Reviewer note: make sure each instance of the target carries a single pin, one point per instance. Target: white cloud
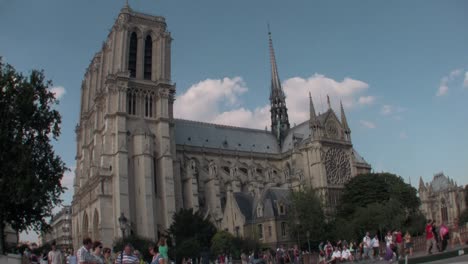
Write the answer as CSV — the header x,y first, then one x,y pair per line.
x,y
67,179
444,81
443,89
392,109
367,124
58,91
465,82
219,101
366,100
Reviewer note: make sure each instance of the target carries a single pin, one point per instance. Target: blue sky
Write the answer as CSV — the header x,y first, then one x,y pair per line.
x,y
398,66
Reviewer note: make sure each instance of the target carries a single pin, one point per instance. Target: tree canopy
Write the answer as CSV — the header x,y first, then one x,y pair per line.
x,y
192,232
306,215
30,171
377,202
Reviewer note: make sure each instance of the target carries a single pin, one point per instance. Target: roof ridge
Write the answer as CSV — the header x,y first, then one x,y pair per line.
x,y
222,125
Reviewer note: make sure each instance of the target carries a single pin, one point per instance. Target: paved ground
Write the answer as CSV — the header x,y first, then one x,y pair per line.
x,y
457,260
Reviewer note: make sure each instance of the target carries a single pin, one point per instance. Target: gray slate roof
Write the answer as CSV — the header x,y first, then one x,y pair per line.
x,y
199,134
245,203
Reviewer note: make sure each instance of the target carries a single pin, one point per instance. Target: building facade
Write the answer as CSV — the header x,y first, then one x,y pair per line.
x,y
134,158
60,231
442,199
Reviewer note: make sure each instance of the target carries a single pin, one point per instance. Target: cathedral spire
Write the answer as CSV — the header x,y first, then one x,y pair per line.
x,y
279,112
313,116
328,102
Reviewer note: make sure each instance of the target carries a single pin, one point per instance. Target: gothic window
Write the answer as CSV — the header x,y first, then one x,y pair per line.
x,y
131,103
148,105
282,209
132,55
270,232
283,229
260,231
148,58
337,166
443,210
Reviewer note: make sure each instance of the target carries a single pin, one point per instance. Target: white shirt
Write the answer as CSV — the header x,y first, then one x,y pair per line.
x,y
389,240
55,257
336,255
375,242
345,253
367,242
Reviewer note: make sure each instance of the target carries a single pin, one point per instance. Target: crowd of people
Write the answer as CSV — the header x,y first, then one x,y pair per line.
x,y
94,252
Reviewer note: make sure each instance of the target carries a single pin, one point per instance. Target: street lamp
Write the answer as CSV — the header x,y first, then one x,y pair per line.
x,y
123,224
308,239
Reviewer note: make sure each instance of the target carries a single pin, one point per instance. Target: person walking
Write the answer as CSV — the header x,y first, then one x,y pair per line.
x,y
157,259
444,236
409,243
163,249
435,231
107,256
388,246
55,256
376,246
84,253
399,243
97,252
367,246
430,241
456,233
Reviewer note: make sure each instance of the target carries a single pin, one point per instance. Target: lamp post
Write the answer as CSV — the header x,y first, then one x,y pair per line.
x,y
308,239
123,224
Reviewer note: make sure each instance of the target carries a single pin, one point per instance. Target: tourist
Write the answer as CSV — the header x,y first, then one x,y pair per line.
x,y
336,256
71,259
163,249
399,243
296,254
107,256
137,254
456,233
408,243
389,246
97,252
435,233
430,241
157,259
367,247
376,246
126,257
84,255
444,236
55,256
328,250
346,254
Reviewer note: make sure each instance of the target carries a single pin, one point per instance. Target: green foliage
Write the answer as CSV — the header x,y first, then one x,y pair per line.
x,y
140,243
306,215
192,232
377,202
30,171
225,242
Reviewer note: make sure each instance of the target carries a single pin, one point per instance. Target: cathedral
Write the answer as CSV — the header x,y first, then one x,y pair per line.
x,y
134,160
442,199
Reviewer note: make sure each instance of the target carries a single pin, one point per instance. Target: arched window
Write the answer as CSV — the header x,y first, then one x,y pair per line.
x,y
132,55
148,58
443,210
148,105
131,103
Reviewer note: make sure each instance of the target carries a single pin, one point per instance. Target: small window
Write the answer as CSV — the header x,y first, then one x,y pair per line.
x,y
260,210
283,229
282,209
260,231
270,232
148,58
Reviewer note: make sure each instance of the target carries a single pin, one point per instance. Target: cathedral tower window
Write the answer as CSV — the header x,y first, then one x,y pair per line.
x,y
131,103
148,105
132,55
148,58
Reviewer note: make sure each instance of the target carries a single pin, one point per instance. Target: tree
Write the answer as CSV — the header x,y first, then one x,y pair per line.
x,y
370,188
306,215
223,242
30,171
191,232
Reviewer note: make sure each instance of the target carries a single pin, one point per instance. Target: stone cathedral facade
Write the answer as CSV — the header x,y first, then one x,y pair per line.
x,y
134,158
